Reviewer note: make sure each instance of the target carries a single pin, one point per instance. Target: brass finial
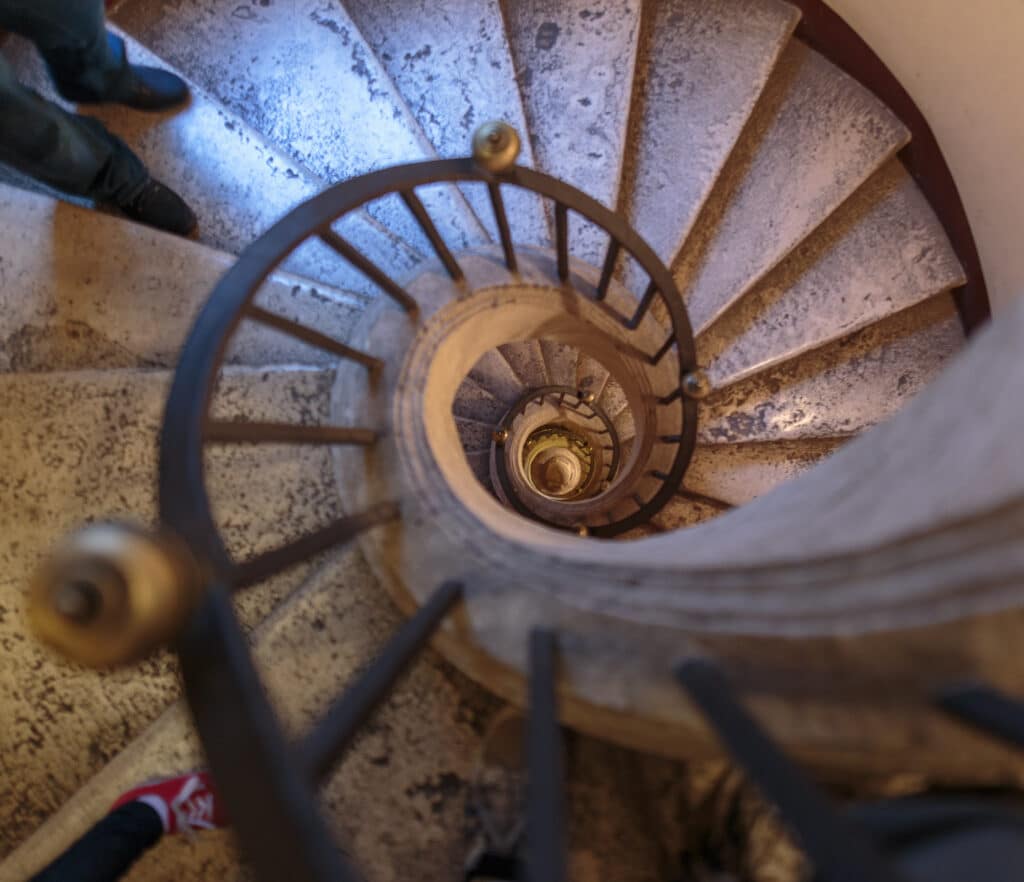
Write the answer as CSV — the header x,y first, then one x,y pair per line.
x,y
586,397
582,530
500,436
112,593
495,146
696,385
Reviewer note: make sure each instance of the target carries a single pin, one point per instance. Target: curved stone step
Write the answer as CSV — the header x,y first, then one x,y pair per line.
x,y
237,184
739,473
575,62
475,402
527,361
882,251
560,362
89,290
302,75
474,435
701,68
80,446
450,61
815,136
591,375
842,388
495,374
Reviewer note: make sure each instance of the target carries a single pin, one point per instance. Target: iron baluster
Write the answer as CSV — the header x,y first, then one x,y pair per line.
x,y
369,269
501,219
608,270
645,304
311,336
419,211
562,240
245,432
985,708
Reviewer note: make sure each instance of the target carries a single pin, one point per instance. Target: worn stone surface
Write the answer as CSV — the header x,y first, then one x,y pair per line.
x,y
450,62
237,184
82,290
495,374
882,251
591,375
575,62
815,136
301,74
843,388
474,401
473,435
701,69
527,360
560,360
739,473
82,446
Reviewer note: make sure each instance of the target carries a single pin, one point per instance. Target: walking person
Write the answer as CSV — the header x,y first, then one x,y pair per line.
x,y
74,153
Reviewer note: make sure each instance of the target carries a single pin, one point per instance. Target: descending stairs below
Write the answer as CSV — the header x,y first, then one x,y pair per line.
x,y
816,276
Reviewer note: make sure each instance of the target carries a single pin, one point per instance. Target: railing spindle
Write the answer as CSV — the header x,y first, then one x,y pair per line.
x,y
986,709
562,240
312,337
501,219
343,530
642,309
663,351
328,741
608,270
840,852
369,269
419,211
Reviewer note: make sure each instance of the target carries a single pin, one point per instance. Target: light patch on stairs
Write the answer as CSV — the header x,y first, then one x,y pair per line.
x,y
882,251
815,136
575,63
843,388
301,74
702,67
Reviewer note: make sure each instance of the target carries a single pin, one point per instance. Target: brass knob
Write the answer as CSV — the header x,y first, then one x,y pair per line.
x,y
495,146
112,593
500,436
696,385
586,397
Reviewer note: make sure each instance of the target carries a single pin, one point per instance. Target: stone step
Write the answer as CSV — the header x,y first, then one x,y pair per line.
x,y
701,68
882,251
575,62
843,388
87,290
738,473
527,361
560,362
238,185
495,374
815,136
304,77
80,446
475,402
450,62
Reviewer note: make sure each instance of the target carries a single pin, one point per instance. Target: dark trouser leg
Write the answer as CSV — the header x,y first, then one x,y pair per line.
x,y
106,852
72,153
84,60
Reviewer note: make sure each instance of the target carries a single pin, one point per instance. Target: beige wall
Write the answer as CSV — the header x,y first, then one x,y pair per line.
x,y
963,62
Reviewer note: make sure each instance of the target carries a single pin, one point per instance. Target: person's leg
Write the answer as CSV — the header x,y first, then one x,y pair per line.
x,y
106,852
86,62
78,155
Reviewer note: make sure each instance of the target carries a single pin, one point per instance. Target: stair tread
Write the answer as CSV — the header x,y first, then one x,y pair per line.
x,y
739,473
136,292
450,62
575,62
680,513
591,375
81,445
842,388
560,361
882,251
314,88
702,70
473,401
527,360
237,184
495,374
815,136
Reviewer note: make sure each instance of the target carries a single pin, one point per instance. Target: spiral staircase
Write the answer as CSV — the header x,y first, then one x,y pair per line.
x,y
545,386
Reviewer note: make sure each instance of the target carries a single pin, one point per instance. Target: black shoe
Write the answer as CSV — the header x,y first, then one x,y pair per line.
x,y
148,88
160,207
